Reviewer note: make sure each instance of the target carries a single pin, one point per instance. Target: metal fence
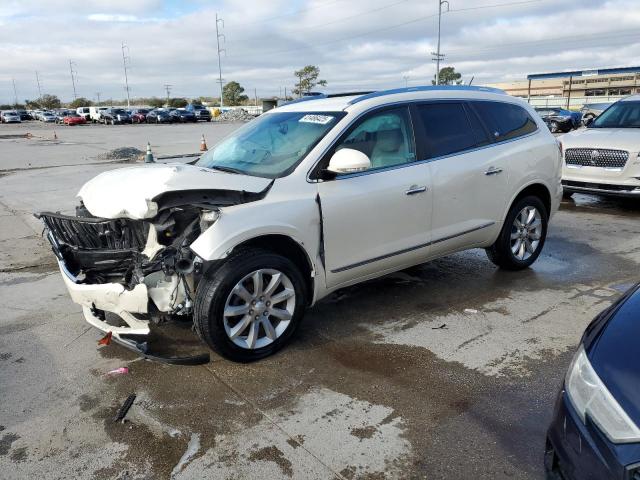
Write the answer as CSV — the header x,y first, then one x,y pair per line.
x,y
574,103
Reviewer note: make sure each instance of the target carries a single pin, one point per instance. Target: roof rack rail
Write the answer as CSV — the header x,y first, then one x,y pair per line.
x,y
427,88
318,96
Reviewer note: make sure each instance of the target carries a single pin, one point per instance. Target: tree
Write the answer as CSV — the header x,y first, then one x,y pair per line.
x,y
196,101
232,94
155,102
80,102
32,104
448,76
307,80
178,102
49,101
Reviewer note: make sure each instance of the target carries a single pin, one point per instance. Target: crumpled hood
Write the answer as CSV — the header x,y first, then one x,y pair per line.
x,y
129,192
614,138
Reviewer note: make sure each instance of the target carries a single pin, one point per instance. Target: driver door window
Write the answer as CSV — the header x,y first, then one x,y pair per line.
x,y
385,137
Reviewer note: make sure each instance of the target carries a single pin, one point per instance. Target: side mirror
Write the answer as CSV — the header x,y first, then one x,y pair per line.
x,y
348,160
587,121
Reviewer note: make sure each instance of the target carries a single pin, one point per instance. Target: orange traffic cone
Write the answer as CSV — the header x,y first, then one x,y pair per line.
x,y
203,144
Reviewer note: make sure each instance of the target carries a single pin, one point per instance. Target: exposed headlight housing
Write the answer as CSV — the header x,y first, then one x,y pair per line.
x,y
208,218
589,396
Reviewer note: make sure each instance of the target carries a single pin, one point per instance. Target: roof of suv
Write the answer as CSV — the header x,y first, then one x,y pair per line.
x,y
325,103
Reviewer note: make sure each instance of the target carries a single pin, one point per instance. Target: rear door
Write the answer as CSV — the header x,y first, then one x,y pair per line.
x,y
470,181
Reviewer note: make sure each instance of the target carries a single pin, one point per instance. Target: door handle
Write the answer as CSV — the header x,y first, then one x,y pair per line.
x,y
493,171
413,189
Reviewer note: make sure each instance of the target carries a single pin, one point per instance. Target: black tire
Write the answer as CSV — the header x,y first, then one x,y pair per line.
x,y
500,252
215,287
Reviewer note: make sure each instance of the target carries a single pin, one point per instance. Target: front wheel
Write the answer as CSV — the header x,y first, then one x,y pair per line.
x,y
522,236
249,307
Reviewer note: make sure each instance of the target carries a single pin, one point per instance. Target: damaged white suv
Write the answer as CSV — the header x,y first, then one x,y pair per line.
x,y
308,198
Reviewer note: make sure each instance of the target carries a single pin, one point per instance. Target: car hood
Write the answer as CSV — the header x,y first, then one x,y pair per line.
x,y
614,138
614,355
132,192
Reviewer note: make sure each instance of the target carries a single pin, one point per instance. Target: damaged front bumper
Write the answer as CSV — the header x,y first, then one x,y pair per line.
x,y
119,267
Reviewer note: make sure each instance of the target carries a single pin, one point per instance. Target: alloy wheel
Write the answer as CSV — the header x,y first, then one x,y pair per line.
x,y
526,233
259,308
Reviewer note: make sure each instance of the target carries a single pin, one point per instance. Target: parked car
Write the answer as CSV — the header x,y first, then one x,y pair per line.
x,y
139,115
10,116
95,113
559,119
74,119
182,116
306,199
595,433
602,158
24,115
47,117
592,110
115,116
159,116
84,112
60,114
201,112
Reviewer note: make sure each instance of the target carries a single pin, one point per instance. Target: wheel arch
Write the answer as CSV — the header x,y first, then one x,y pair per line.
x,y
537,190
287,247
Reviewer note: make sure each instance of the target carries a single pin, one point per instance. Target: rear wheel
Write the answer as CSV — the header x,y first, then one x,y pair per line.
x,y
522,236
249,307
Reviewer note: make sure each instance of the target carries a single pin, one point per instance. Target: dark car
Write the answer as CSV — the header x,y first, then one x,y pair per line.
x,y
24,115
159,116
115,116
200,111
594,434
559,119
139,115
183,116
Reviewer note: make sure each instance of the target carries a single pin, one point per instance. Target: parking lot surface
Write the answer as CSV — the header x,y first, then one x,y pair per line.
x,y
446,370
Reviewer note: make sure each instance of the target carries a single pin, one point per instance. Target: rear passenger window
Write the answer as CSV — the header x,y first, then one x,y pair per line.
x,y
505,120
447,129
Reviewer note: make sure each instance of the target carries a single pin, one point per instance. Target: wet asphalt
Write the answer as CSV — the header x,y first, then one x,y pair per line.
x,y
446,370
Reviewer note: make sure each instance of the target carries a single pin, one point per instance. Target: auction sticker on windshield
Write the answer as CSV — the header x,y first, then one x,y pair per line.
x,y
321,119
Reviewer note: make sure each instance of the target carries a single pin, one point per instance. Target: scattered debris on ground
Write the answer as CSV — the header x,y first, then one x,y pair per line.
x,y
118,371
106,340
123,153
122,411
238,115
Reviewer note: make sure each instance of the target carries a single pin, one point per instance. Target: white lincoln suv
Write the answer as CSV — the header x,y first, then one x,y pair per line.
x,y
310,197
604,158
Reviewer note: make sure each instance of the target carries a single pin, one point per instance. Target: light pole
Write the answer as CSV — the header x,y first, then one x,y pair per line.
x,y
220,50
437,54
125,58
406,80
73,78
15,92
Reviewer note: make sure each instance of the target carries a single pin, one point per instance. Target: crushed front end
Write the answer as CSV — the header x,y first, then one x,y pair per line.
x,y
127,273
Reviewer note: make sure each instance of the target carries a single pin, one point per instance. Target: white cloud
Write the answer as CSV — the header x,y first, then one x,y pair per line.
x,y
357,45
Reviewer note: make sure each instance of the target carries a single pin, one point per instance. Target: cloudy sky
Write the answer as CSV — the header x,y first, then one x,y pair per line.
x,y
357,44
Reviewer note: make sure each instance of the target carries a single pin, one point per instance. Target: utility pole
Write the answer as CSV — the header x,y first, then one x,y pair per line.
x,y
98,97
73,78
167,87
125,59
406,80
255,94
220,50
437,55
38,82
15,92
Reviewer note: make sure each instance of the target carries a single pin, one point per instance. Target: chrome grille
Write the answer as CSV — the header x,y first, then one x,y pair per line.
x,y
596,157
96,233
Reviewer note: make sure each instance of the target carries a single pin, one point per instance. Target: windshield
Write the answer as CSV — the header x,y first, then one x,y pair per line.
x,y
619,115
271,145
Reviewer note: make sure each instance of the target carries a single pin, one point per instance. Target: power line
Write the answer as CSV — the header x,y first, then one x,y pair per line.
x,y
378,30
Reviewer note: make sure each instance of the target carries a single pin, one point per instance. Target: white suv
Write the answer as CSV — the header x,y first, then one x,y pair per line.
x,y
604,158
308,198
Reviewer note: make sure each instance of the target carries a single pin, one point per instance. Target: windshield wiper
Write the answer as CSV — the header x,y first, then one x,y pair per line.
x,y
227,169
